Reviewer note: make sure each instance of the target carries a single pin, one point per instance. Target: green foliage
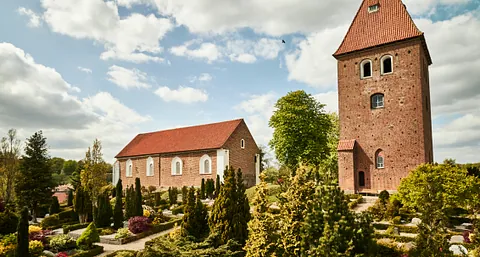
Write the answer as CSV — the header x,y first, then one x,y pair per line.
x,y
184,195
54,206
69,167
158,198
35,248
194,221
62,243
68,228
68,215
104,211
218,185
22,234
301,130
122,233
118,212
82,204
70,198
8,223
34,182
263,237
396,220
172,195
138,198
384,196
231,211
88,237
210,188
202,189
9,166
95,251
93,174
56,164
130,202
50,221
178,209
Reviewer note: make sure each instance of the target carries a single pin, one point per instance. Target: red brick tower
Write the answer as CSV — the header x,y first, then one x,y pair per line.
x,y
384,98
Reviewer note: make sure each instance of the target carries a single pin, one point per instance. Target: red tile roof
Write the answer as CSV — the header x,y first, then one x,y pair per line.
x,y
389,24
201,137
346,145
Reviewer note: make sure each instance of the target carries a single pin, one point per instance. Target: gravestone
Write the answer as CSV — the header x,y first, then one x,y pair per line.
x,y
458,249
456,239
396,231
416,221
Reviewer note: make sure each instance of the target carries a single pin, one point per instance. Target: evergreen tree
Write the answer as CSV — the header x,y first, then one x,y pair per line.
x,y
172,195
202,189
188,222
82,204
54,206
210,188
105,213
22,234
230,215
262,228
70,198
201,217
218,185
184,194
129,203
34,184
138,198
118,213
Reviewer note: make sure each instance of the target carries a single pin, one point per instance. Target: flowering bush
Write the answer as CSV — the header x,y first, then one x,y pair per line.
x,y
466,237
35,248
138,224
159,219
146,213
62,243
122,233
62,254
34,229
8,244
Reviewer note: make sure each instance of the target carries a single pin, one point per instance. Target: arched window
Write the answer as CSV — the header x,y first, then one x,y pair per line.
x,y
205,164
378,101
387,64
150,170
129,168
177,166
242,144
366,69
379,159
361,179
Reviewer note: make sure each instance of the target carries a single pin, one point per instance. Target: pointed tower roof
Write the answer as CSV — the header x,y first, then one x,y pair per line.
x,y
390,22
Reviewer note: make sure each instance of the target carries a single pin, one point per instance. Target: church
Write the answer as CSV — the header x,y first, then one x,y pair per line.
x,y
384,99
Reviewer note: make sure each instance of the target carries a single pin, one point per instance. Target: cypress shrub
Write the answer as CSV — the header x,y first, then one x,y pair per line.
x,y
158,198
118,213
70,198
210,188
202,189
88,238
172,195
54,206
217,186
103,211
138,198
184,195
129,203
22,234
83,205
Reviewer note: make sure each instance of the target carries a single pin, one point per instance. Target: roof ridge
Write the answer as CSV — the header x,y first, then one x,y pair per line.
x,y
191,126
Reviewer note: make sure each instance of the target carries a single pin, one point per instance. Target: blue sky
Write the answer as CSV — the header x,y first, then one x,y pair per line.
x,y
114,69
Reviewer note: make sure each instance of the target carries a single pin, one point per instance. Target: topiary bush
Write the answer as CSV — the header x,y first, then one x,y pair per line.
x,y
138,224
8,223
54,206
62,243
172,195
35,248
50,221
122,233
88,237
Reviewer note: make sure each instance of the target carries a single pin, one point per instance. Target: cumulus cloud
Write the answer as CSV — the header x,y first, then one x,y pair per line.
x,y
183,94
127,78
133,38
329,99
86,70
34,20
206,51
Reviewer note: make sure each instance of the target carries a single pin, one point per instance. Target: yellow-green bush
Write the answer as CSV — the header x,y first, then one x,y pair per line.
x,y
35,248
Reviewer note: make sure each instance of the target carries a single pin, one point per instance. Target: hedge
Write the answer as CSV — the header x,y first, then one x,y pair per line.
x,y
69,215
177,210
355,201
68,228
96,250
114,254
155,229
401,239
401,228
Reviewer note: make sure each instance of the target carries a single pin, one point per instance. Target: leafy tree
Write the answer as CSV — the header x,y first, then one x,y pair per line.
x,y
130,203
22,234
93,175
301,130
56,165
202,190
82,204
262,228
432,190
138,198
9,165
34,182
104,211
70,198
230,214
118,212
69,167
54,206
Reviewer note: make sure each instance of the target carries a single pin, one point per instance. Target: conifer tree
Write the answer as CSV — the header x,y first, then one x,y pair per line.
x,y
242,215
262,228
70,198
22,234
218,185
117,212
188,222
172,195
210,188
54,206
104,211
138,198
129,202
202,189
184,194
201,216
82,204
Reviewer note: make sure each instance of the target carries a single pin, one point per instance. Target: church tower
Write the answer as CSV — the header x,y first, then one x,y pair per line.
x,y
384,99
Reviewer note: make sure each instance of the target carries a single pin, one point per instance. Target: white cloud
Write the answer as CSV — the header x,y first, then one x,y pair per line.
x,y
207,51
420,7
133,38
34,21
243,58
86,70
35,97
330,99
127,78
205,77
130,3
182,94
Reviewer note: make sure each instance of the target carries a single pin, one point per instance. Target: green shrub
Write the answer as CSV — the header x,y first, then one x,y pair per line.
x,y
384,196
397,220
122,253
35,248
88,237
122,233
50,221
106,231
62,243
68,215
68,228
54,206
8,223
177,210
390,230
172,195
96,250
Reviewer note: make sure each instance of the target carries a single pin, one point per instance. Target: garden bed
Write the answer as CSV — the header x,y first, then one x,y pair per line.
x,y
122,252
96,250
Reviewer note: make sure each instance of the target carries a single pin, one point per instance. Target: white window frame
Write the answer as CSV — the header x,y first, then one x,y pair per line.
x,y
242,143
174,166
204,158
129,169
150,172
373,8
362,64
380,161
374,99
381,64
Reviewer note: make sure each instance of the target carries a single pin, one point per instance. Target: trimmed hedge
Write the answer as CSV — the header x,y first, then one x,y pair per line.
x,y
401,228
401,239
155,229
114,254
96,250
50,221
177,210
355,201
68,228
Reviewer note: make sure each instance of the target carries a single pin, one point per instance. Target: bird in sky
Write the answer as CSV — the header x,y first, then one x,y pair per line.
x,y
283,41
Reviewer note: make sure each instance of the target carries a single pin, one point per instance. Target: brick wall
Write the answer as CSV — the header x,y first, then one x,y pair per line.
x,y
402,130
243,158
139,169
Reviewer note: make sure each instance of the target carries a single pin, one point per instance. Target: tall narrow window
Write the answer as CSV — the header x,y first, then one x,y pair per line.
x,y
242,144
177,166
378,101
387,64
380,161
150,167
366,69
129,168
205,164
361,179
